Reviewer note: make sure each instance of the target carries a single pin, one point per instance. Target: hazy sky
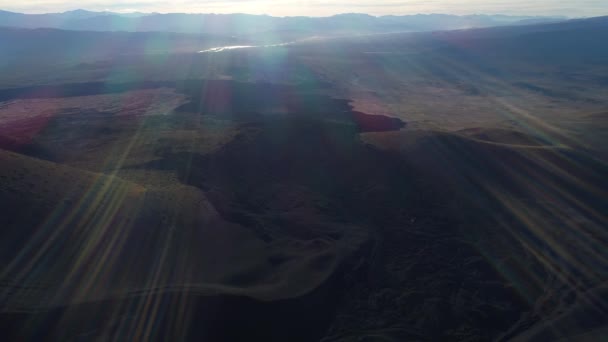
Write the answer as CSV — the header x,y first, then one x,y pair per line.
x,y
572,8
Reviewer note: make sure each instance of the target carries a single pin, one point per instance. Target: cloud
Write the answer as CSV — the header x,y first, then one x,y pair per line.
x,y
319,7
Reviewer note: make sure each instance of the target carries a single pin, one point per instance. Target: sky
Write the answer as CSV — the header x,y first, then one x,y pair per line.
x,y
578,8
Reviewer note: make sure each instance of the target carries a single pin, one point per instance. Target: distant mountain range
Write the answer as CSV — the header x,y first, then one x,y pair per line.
x,y
261,26
571,41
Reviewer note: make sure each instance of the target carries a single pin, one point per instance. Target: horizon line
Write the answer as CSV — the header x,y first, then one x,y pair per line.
x,y
308,16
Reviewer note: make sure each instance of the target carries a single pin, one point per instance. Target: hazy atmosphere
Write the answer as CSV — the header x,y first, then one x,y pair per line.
x,y
320,7
332,171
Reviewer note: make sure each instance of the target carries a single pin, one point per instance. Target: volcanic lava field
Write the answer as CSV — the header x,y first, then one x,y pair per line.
x,y
441,186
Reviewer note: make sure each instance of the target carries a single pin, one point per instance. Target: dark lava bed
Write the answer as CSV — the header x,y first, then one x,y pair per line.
x,y
346,241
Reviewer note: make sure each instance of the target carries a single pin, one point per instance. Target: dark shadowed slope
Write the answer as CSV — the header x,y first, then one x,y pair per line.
x,y
289,226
